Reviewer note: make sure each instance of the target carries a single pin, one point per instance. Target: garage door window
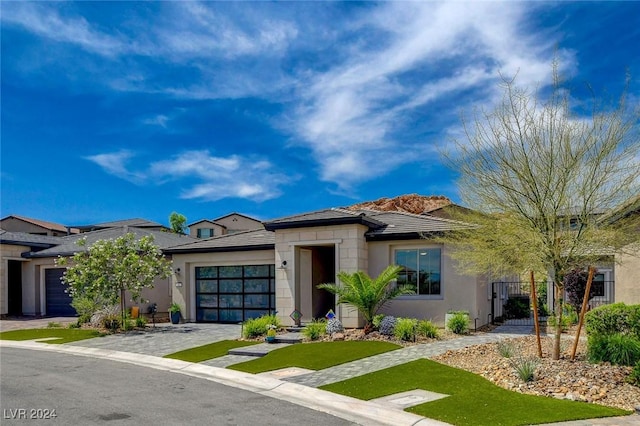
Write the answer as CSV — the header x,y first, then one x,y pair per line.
x,y
234,293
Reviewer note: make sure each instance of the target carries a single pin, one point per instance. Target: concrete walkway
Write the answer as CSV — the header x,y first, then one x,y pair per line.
x,y
146,348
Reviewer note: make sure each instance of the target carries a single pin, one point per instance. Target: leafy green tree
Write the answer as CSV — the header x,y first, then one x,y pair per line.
x,y
366,294
540,172
109,268
178,223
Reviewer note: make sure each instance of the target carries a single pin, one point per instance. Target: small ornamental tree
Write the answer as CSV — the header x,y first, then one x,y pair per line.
x,y
366,294
575,285
108,268
178,223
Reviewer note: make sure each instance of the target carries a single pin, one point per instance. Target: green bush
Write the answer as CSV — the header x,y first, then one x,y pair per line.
x,y
74,324
517,308
85,307
129,324
634,377
377,319
426,328
141,322
256,327
315,329
620,349
526,368
459,323
614,319
53,324
405,329
506,349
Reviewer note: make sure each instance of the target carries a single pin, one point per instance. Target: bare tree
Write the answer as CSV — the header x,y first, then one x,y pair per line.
x,y
541,172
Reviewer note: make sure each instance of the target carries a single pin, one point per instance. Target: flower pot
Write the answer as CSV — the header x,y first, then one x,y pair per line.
x,y
175,317
270,339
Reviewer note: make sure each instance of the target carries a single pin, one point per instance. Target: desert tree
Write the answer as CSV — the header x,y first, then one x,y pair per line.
x,y
108,268
539,171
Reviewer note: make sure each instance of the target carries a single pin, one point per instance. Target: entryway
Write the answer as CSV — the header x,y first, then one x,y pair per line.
x,y
14,290
316,265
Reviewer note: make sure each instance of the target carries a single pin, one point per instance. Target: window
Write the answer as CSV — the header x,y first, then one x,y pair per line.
x,y
597,285
421,268
205,232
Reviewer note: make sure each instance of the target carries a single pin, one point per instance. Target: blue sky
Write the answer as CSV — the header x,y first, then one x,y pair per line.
x,y
113,110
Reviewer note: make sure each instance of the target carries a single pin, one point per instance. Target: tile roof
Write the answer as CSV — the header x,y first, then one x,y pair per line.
x,y
26,239
323,218
43,223
409,225
135,222
258,239
68,245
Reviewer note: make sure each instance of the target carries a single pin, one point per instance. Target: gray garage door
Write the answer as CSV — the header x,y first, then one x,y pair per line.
x,y
58,302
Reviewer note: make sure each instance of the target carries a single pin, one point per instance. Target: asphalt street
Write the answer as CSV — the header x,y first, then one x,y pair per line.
x,y
80,390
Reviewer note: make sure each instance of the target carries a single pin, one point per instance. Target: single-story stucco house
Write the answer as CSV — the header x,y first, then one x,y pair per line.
x,y
234,277
30,278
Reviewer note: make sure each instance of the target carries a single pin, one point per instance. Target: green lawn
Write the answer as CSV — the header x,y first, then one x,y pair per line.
x,y
210,351
473,400
63,335
315,356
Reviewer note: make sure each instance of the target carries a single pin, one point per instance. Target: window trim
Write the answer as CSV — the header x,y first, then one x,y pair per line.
x,y
395,249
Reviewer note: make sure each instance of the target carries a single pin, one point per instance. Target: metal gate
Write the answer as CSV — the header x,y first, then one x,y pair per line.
x,y
511,302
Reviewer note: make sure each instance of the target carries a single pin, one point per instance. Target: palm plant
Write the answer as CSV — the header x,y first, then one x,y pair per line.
x,y
366,294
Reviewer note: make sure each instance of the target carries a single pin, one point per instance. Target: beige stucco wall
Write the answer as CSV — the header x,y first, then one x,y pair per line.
x,y
9,252
235,223
184,284
12,224
627,276
351,255
34,291
460,292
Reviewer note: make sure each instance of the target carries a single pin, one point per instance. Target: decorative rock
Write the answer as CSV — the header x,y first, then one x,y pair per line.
x,y
337,336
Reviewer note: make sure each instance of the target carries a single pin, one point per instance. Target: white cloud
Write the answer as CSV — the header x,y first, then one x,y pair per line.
x,y
115,163
215,178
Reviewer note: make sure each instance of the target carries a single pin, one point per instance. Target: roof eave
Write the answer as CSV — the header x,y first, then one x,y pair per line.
x,y
221,249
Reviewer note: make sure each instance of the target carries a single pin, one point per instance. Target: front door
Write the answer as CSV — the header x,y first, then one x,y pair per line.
x,y
14,291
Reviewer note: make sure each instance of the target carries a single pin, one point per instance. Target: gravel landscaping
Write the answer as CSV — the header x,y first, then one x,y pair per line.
x,y
565,379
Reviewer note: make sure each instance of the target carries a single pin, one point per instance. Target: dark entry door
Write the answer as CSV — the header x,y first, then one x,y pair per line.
x,y
58,302
14,292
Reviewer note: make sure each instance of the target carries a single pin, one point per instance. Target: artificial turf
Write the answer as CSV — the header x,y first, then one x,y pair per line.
x,y
63,335
472,399
315,356
210,351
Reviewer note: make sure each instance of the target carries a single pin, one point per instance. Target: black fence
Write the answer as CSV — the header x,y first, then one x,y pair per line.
x,y
511,301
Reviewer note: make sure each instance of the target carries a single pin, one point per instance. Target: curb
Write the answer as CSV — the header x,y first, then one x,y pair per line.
x,y
351,409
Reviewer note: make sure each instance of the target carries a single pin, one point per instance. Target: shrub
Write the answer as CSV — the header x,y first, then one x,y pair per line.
x,y
617,349
634,377
387,325
459,323
74,324
141,322
427,329
104,315
377,319
53,324
614,319
575,285
526,368
315,329
405,329
517,308
256,327
334,326
85,307
129,324
506,349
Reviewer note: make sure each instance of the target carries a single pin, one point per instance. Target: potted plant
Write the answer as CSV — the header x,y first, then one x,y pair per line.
x,y
174,313
271,333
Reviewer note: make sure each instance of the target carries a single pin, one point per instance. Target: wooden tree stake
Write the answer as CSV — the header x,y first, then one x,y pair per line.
x,y
585,301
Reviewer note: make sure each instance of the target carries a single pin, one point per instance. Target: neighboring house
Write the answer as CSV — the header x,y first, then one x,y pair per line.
x,y
237,276
15,223
31,270
133,223
228,224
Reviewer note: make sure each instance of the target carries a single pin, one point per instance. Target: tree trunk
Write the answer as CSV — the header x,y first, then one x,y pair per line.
x,y
558,309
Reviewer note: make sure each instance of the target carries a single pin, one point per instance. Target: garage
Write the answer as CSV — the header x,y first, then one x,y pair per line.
x,y
58,301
